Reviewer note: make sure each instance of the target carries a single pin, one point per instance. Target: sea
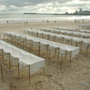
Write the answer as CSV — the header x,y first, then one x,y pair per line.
x,y
21,17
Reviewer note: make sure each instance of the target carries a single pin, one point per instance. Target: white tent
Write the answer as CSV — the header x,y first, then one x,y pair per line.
x,y
52,48
87,26
24,57
85,31
74,50
55,37
68,33
67,29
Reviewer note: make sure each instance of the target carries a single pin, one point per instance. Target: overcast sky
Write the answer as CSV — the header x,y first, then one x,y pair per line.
x,y
43,6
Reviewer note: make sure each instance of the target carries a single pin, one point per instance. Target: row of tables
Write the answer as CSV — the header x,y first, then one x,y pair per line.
x,y
83,43
72,29
62,50
69,33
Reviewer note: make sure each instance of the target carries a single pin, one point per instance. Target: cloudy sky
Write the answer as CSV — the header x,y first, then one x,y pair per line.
x,y
43,6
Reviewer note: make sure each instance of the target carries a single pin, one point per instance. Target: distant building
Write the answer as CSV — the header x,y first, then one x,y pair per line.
x,y
80,10
75,12
83,12
66,13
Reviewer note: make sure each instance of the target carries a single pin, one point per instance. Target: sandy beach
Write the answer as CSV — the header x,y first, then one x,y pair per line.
x,y
68,78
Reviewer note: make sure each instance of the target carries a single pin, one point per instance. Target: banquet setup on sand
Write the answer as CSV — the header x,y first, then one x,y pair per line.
x,y
45,55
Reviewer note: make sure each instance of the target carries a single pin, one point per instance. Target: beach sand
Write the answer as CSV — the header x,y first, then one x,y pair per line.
x,y
68,78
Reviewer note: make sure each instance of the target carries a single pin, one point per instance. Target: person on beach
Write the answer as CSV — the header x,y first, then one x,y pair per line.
x,y
83,20
24,23
27,22
7,21
12,21
47,21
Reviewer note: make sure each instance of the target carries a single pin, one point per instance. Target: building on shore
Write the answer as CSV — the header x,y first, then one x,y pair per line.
x,y
66,13
80,12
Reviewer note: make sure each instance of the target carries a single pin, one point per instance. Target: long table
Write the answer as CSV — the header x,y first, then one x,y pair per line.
x,y
24,58
67,29
20,59
83,43
87,26
85,31
69,33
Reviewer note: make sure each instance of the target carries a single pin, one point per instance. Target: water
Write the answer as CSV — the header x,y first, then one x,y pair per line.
x,y
21,18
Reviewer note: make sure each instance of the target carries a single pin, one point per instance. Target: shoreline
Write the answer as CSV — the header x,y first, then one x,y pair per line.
x,y
37,25
55,14
11,20
70,20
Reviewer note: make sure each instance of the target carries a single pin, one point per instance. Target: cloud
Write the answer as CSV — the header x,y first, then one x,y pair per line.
x,y
2,7
28,2
45,6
